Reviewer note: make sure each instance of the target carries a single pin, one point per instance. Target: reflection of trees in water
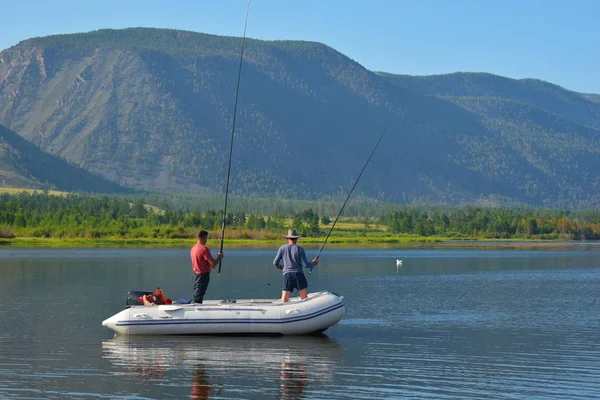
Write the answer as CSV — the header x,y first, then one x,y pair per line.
x,y
292,380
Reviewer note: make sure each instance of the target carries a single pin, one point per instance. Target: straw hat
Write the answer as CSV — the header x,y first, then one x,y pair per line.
x,y
292,234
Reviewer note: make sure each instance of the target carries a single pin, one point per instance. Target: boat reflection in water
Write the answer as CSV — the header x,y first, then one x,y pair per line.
x,y
281,367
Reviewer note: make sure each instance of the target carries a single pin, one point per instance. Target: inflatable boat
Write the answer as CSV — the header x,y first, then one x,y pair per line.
x,y
314,314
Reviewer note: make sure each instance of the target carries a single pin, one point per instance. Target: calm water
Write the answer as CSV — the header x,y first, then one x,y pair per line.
x,y
449,324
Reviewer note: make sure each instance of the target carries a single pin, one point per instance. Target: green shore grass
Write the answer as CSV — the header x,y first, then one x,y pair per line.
x,y
357,242
143,242
30,191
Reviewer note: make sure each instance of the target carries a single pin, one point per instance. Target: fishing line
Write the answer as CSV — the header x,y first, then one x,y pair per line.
x,y
351,190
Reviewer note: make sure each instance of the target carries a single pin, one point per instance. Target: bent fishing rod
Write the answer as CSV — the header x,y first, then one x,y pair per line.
x,y
237,89
349,194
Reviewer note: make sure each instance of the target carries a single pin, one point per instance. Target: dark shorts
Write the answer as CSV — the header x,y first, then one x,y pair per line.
x,y
293,280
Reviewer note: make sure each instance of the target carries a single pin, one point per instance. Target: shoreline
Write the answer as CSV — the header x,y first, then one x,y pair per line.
x,y
309,243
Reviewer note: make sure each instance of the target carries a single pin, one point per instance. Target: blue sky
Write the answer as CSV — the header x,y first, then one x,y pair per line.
x,y
554,40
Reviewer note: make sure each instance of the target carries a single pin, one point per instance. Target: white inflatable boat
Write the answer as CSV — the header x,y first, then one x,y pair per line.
x,y
315,314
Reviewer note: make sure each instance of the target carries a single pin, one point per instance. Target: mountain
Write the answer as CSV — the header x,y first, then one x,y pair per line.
x,y
24,165
555,130
547,96
152,109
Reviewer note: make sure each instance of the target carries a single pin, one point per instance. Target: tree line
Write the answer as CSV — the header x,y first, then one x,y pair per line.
x,y
80,216
497,223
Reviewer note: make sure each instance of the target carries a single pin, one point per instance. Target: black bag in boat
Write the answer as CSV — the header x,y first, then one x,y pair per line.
x,y
134,297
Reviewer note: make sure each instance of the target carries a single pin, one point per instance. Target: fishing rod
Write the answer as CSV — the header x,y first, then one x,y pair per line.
x,y
237,89
351,190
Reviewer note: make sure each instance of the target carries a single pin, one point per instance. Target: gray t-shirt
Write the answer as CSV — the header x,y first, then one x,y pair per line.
x,y
293,257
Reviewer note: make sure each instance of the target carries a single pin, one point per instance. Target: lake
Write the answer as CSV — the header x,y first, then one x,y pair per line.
x,y
448,324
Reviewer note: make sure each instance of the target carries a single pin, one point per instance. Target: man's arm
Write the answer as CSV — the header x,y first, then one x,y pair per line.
x,y
278,258
209,258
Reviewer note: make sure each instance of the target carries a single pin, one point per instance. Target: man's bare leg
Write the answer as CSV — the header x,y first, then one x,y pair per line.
x,y
285,296
303,293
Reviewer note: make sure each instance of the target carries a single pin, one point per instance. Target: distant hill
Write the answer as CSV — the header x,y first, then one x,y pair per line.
x,y
24,165
152,108
555,99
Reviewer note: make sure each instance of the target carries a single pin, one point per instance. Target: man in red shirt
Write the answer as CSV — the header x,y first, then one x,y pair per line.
x,y
202,263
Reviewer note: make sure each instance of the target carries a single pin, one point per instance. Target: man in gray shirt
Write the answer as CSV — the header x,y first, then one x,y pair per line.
x,y
293,257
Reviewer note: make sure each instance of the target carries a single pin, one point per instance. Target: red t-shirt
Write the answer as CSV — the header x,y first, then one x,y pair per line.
x,y
200,255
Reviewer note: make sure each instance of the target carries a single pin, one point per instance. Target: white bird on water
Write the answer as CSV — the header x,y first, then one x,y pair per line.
x,y
398,263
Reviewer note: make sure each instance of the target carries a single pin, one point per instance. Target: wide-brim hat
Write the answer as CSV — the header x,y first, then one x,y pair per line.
x,y
292,234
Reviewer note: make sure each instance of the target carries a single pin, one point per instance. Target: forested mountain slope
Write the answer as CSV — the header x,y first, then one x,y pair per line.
x,y
152,108
23,165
